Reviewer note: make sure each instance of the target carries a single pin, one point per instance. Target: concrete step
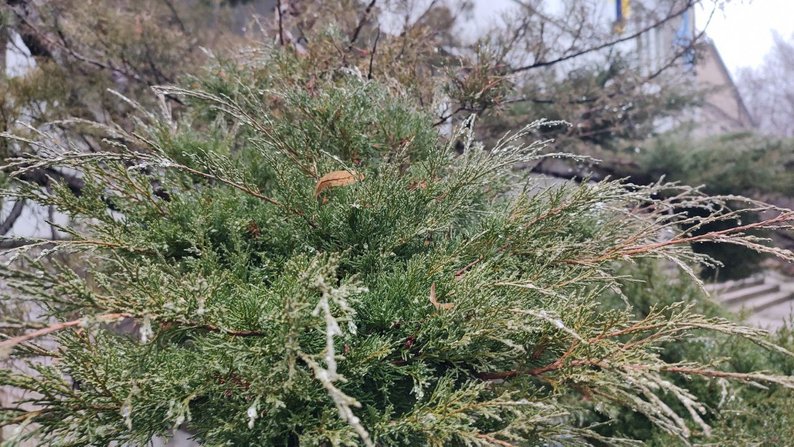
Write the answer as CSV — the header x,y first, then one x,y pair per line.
x,y
728,286
766,299
761,303
780,277
774,317
740,296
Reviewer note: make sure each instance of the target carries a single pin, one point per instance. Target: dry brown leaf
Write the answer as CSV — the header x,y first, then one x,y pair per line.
x,y
253,229
417,185
434,301
335,179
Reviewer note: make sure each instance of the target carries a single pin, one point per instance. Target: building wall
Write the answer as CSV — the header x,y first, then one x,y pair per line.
x,y
723,110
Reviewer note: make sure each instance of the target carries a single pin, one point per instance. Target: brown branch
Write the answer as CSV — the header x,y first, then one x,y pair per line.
x,y
12,217
640,249
680,53
418,19
493,440
555,365
372,54
46,176
443,118
174,13
499,375
280,23
246,190
14,341
602,363
27,415
703,372
11,342
360,25
640,326
29,35
45,43
18,242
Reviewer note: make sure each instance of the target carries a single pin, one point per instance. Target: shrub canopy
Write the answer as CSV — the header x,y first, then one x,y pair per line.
x,y
306,261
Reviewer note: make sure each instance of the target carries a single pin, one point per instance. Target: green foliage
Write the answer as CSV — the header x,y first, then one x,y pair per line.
x,y
729,164
726,164
742,415
612,107
423,301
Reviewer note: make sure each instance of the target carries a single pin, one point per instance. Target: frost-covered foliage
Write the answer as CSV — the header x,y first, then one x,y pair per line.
x,y
305,261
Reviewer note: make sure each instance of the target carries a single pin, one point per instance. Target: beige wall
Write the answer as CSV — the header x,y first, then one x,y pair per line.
x,y
723,110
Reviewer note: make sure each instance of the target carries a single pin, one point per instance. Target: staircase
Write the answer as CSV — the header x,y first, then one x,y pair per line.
x,y
766,299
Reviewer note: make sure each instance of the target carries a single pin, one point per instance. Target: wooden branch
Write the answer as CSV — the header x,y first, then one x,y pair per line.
x,y
18,242
12,217
45,177
175,14
678,55
618,252
553,366
492,440
43,45
372,54
280,23
360,25
29,35
11,342
14,341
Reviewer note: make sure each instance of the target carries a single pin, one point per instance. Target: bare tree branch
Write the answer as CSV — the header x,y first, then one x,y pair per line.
x,y
280,14
542,63
174,13
372,54
361,23
11,342
12,217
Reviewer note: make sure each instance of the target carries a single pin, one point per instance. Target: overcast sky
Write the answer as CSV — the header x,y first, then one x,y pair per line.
x,y
742,30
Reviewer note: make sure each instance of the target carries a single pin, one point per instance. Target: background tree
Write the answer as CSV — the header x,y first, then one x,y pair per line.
x,y
82,50
768,92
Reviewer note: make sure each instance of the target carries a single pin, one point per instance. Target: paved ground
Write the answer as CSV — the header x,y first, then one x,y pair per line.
x,y
776,316
766,299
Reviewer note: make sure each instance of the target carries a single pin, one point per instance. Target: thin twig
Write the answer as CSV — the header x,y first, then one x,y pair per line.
x,y
493,440
611,43
12,217
11,342
81,57
280,23
244,189
372,54
622,251
360,25
174,12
